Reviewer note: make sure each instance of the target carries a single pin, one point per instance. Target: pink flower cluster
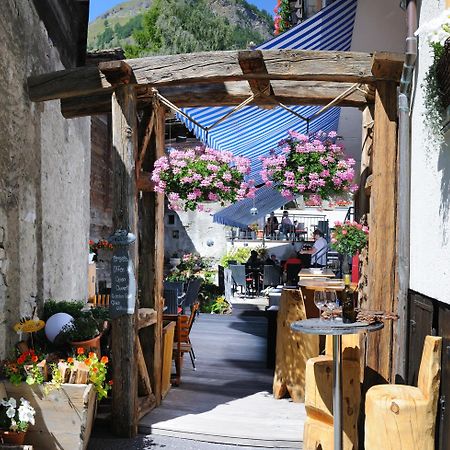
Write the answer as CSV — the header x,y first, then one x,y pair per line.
x,y
349,237
190,177
310,165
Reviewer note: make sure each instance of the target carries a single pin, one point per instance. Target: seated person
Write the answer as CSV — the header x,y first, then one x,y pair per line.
x,y
318,251
299,230
272,261
286,226
271,225
254,260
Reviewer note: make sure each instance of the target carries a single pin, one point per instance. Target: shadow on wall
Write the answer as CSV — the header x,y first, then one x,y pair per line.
x,y
176,238
444,168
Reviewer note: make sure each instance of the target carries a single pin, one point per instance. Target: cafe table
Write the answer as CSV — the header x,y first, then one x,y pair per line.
x,y
316,273
336,328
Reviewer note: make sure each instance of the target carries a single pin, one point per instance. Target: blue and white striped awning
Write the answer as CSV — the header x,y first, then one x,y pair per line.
x,y
238,214
253,131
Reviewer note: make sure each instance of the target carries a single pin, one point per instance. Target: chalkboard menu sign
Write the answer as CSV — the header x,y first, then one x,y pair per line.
x,y
123,282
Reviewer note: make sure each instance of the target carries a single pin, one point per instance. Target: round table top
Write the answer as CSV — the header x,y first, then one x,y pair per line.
x,y
321,283
333,327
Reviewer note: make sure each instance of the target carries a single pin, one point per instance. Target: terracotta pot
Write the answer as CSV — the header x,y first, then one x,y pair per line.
x,y
92,345
12,437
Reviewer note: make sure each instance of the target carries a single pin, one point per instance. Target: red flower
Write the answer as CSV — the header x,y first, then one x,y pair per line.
x,y
91,355
70,360
104,360
110,382
87,361
80,351
34,358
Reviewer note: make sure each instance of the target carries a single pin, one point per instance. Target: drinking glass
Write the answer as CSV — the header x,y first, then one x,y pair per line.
x,y
319,301
331,301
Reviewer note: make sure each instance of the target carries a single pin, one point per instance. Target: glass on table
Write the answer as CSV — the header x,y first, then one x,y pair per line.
x,y
331,301
320,300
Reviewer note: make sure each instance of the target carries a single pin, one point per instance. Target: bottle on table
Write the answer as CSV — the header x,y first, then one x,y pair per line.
x,y
348,302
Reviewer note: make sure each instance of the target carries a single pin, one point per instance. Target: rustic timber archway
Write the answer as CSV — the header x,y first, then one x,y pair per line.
x,y
292,77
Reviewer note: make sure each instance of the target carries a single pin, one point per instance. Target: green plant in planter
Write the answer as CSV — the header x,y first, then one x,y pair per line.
x,y
240,255
72,308
82,328
436,32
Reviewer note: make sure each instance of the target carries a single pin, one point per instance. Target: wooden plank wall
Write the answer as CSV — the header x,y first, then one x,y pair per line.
x,y
382,238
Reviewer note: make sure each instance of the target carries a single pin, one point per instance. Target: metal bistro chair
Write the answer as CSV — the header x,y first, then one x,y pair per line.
x,y
192,291
239,277
179,287
271,276
171,301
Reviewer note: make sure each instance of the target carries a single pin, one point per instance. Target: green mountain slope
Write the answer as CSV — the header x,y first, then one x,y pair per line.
x,y
145,27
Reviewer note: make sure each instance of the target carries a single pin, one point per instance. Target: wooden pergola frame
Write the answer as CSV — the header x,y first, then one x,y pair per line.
x,y
292,77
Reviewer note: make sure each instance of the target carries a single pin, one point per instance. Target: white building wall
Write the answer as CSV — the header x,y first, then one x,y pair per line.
x,y
379,26
430,189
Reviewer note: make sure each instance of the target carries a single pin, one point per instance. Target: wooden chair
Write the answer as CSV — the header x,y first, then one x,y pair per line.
x,y
182,341
404,417
318,431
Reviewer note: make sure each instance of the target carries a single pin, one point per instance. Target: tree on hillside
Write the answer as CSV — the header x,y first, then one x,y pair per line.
x,y
185,26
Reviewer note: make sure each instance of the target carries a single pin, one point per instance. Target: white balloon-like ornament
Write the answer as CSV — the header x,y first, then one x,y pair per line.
x,y
55,324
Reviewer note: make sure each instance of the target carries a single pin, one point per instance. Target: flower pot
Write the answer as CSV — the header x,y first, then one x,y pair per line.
x,y
12,437
92,345
174,262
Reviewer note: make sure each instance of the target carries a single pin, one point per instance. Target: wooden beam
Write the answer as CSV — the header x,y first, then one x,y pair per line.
x,y
223,94
151,213
252,62
387,66
124,137
117,72
382,277
146,317
209,67
144,385
144,183
145,405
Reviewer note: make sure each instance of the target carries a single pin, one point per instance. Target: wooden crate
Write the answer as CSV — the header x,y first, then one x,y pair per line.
x,y
63,418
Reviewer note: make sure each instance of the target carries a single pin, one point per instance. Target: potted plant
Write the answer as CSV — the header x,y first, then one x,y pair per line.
x,y
15,420
348,239
312,166
84,331
194,176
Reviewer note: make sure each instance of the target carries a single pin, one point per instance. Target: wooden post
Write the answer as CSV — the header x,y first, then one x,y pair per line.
x,y
382,237
124,135
152,255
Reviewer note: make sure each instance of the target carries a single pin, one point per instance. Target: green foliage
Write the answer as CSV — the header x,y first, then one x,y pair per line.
x,y
349,238
73,308
212,301
240,255
82,328
185,26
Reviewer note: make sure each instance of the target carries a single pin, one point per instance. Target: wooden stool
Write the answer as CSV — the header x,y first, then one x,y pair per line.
x,y
404,417
318,431
292,349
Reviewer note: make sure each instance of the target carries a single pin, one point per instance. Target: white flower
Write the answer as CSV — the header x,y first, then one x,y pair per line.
x,y
436,30
11,412
10,403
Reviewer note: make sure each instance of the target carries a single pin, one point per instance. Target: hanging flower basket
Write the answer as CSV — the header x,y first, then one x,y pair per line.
x,y
312,166
349,238
192,177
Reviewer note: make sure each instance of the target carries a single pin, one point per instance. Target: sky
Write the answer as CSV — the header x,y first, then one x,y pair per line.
x,y
98,7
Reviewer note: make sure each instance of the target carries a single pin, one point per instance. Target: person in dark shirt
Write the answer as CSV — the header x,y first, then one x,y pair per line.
x,y
271,225
253,260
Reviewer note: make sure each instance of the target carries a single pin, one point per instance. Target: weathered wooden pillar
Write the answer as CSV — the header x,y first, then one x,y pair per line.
x,y
124,138
151,213
382,237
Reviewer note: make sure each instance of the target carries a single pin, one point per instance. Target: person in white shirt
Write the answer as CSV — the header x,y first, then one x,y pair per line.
x,y
318,251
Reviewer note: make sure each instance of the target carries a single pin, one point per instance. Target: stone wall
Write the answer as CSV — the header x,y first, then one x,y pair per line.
x,y
44,183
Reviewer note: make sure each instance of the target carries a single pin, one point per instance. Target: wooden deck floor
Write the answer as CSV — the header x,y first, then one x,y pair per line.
x,y
228,398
